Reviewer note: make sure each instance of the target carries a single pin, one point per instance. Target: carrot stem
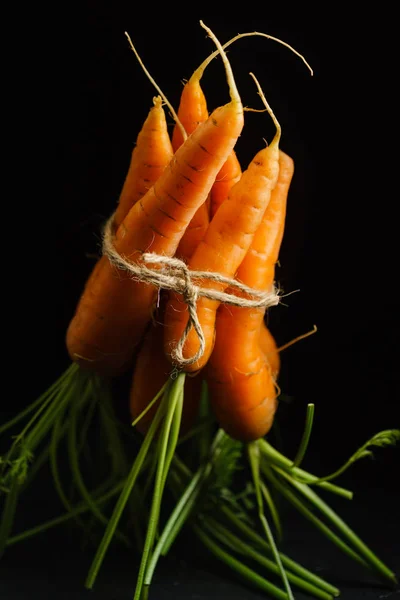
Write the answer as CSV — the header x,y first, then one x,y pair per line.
x,y
7,517
53,388
353,538
275,458
120,466
55,473
238,545
254,459
175,522
384,438
302,508
239,567
205,439
286,561
272,509
226,512
124,496
81,508
305,437
173,399
77,475
182,510
150,404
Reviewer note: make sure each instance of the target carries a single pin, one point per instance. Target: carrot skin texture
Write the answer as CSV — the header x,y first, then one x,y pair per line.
x,y
150,156
269,348
114,310
222,250
151,372
242,393
226,179
244,364
192,112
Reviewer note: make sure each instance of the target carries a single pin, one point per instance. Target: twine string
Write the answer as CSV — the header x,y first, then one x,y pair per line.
x,y
170,273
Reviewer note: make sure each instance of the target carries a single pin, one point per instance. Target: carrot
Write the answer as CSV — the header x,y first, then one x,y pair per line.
x,y
270,350
226,179
151,372
192,112
114,310
150,156
223,248
241,373
231,171
151,359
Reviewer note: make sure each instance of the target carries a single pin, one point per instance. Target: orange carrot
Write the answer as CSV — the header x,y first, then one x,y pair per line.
x,y
240,374
270,350
151,372
150,156
114,310
231,171
192,112
223,248
226,179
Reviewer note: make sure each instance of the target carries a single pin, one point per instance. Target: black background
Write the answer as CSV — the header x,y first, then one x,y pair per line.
x,y
341,242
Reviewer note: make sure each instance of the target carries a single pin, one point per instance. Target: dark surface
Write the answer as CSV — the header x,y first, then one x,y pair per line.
x,y
340,250
55,565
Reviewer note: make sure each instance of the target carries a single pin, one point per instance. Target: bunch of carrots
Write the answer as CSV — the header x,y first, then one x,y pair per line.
x,y
188,198
186,206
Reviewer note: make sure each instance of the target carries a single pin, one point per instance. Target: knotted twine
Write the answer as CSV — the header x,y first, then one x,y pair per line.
x,y
173,274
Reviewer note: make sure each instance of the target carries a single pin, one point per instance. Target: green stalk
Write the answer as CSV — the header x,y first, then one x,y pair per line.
x,y
8,514
20,416
250,533
204,413
180,514
305,439
151,403
120,465
189,496
272,509
330,514
237,545
302,508
254,458
53,448
177,519
81,508
34,438
50,408
42,458
239,568
84,429
274,457
173,398
173,435
76,472
124,496
286,561
388,437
